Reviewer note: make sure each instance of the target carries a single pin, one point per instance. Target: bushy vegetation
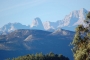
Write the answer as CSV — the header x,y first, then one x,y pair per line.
x,y
81,41
40,56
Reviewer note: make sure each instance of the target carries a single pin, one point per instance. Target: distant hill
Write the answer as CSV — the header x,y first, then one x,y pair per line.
x,y
33,41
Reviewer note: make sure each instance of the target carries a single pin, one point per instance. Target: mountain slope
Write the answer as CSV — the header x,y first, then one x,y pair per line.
x,y
33,41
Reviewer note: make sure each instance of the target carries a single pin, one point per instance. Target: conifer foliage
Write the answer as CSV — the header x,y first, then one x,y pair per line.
x,y
40,56
81,41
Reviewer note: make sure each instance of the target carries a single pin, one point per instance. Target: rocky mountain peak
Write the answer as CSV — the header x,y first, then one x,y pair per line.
x,y
37,24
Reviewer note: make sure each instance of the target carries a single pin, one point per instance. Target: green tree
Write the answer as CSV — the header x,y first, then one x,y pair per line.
x,y
40,56
51,54
81,41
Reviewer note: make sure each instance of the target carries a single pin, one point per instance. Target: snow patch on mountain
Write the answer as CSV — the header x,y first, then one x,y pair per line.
x,y
60,32
29,38
28,47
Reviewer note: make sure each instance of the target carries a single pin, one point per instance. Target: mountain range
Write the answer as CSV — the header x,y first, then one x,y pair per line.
x,y
68,23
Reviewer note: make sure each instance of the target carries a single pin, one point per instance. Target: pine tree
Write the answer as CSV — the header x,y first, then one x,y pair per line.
x,y
81,41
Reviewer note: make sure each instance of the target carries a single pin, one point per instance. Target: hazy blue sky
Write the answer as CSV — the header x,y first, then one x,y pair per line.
x,y
24,11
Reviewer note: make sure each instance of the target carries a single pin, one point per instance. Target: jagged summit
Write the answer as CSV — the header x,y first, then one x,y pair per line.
x,y
70,21
12,27
37,24
83,9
